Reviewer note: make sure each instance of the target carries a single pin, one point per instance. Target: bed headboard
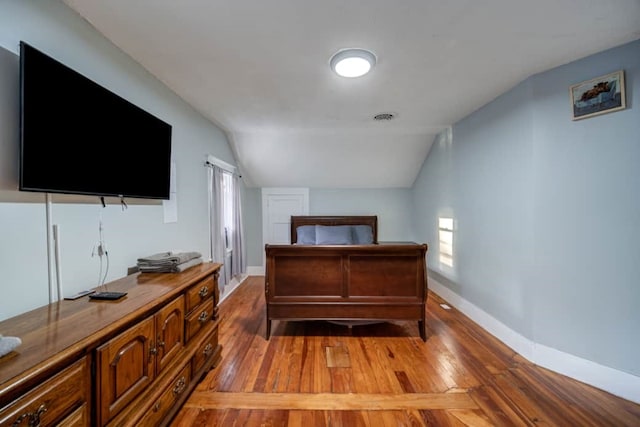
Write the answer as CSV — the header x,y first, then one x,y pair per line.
x,y
297,221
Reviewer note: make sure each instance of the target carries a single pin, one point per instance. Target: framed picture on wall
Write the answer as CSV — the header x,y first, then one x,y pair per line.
x,y
604,94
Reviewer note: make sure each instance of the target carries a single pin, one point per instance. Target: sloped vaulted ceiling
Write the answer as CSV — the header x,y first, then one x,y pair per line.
x,y
260,70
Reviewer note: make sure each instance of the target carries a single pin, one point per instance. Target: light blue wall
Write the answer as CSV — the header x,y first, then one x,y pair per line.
x,y
391,205
587,217
252,209
481,177
140,230
547,213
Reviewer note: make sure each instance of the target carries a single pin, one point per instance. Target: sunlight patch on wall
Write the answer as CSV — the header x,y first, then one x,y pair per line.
x,y
445,237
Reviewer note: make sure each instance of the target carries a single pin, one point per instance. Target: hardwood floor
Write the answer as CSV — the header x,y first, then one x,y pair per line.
x,y
322,374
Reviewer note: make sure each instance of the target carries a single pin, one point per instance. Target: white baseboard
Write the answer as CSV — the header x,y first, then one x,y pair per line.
x,y
255,270
233,285
508,336
616,382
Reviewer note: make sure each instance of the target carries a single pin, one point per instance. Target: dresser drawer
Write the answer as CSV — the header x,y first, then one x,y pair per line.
x,y
206,351
200,292
54,401
198,319
169,397
78,418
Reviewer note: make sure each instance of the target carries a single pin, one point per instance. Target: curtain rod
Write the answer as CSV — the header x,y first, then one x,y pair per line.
x,y
209,164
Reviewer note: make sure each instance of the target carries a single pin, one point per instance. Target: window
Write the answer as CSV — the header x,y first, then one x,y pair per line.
x,y
225,219
445,237
221,200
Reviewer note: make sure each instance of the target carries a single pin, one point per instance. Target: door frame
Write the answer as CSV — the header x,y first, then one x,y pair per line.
x,y
278,191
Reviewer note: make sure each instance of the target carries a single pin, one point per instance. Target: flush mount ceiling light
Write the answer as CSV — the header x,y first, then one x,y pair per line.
x,y
352,62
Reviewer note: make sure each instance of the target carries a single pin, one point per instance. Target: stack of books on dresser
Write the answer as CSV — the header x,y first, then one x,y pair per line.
x,y
169,262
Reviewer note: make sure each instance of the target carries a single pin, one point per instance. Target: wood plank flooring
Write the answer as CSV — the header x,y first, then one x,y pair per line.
x,y
322,374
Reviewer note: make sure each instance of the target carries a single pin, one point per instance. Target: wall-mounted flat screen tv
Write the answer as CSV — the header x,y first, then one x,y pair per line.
x,y
77,137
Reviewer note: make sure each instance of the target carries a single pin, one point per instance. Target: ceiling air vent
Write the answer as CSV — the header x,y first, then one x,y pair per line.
x,y
383,116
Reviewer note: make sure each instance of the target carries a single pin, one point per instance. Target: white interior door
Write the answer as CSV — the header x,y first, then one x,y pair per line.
x,y
278,205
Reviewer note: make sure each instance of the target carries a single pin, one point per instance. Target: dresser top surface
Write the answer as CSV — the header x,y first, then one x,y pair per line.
x,y
64,329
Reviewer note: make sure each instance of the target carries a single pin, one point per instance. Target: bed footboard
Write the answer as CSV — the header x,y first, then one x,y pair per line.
x,y
351,282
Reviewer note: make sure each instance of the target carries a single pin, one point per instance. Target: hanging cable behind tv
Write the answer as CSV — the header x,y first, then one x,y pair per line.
x,y
100,249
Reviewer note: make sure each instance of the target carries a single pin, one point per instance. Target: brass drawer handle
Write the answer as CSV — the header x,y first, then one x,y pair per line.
x,y
32,417
156,407
181,384
208,350
160,342
203,317
204,291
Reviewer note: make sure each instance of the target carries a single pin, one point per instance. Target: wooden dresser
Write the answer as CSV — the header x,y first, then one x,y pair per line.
x,y
133,361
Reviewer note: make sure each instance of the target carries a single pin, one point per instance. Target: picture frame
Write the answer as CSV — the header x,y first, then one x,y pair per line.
x,y
600,95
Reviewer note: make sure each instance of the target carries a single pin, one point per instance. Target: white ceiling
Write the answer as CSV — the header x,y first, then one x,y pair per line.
x,y
260,70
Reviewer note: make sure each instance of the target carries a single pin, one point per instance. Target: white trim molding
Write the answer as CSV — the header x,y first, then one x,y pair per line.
x,y
276,192
611,380
221,164
235,282
255,270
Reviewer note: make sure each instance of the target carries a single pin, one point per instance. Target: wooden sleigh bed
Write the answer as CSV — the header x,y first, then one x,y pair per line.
x,y
368,281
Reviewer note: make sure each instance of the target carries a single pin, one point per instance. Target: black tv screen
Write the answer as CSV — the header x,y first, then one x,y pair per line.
x,y
77,137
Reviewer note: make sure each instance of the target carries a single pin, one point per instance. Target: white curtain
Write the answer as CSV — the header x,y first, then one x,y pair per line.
x,y
216,218
238,260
